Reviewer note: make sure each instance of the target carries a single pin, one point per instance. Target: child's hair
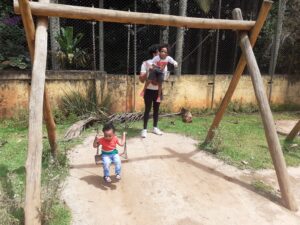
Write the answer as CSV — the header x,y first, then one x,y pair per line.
x,y
163,46
108,126
153,49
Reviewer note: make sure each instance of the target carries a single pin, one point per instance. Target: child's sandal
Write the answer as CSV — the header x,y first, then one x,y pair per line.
x,y
107,179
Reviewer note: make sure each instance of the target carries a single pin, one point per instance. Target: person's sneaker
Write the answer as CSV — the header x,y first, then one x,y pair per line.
x,y
118,177
157,131
144,133
107,179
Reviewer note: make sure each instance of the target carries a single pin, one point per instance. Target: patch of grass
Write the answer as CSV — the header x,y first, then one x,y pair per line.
x,y
217,143
285,107
62,215
13,148
262,187
243,139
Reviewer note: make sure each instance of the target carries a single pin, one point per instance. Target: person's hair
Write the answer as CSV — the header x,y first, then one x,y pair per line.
x,y
108,126
164,46
153,49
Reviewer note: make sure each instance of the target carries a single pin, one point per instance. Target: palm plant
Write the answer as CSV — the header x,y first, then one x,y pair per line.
x,y
70,55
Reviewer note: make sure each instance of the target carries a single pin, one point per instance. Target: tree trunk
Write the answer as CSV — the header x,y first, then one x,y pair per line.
x,y
199,53
211,56
180,37
54,30
216,56
164,31
276,41
101,40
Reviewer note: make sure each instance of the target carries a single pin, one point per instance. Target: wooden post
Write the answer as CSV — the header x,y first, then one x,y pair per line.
x,y
294,132
265,8
30,32
117,16
50,124
35,137
267,118
28,26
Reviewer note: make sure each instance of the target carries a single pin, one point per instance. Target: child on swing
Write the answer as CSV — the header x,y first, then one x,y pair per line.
x,y
109,151
157,70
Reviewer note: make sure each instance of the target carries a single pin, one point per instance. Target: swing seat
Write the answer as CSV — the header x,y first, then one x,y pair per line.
x,y
98,159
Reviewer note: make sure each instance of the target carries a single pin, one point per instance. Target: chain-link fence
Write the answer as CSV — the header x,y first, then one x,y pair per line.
x,y
121,48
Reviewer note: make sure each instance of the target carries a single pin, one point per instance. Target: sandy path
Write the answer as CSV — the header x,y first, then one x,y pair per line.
x,y
168,181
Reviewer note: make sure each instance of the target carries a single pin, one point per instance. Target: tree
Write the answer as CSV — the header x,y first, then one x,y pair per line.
x,y
180,37
205,7
276,41
101,40
164,31
54,30
277,36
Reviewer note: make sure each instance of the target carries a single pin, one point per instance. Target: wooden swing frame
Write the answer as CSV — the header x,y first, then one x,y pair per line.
x,y
39,103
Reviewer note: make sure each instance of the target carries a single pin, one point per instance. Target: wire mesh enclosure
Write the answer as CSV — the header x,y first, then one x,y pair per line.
x,y
121,48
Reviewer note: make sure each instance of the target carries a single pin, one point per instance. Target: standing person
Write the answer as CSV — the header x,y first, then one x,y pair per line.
x,y
157,70
151,93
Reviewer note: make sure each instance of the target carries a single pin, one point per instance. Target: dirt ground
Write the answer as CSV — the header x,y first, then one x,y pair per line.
x,y
166,180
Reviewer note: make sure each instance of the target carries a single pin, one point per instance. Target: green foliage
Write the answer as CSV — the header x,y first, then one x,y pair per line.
x,y
239,107
241,139
285,107
19,62
13,149
205,5
262,187
78,104
70,55
12,41
75,103
289,52
288,61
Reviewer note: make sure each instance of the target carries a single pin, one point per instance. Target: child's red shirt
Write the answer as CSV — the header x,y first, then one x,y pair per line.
x,y
108,145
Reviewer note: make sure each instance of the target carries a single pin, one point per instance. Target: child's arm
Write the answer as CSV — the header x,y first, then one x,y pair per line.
x,y
172,61
95,144
155,60
123,140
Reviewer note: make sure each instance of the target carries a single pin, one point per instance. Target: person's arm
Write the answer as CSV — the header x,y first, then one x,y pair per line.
x,y
155,60
143,73
96,144
123,140
172,61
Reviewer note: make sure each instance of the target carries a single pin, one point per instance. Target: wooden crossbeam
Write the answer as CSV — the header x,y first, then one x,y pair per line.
x,y
117,16
294,132
263,13
288,199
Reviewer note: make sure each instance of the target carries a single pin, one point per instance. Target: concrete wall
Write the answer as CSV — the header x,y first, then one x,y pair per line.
x,y
191,91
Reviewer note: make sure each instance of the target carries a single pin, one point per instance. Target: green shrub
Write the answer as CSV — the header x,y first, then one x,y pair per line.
x,y
78,104
13,44
239,107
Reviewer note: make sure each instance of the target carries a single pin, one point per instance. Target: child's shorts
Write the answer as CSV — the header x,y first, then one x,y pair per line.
x,y
156,75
